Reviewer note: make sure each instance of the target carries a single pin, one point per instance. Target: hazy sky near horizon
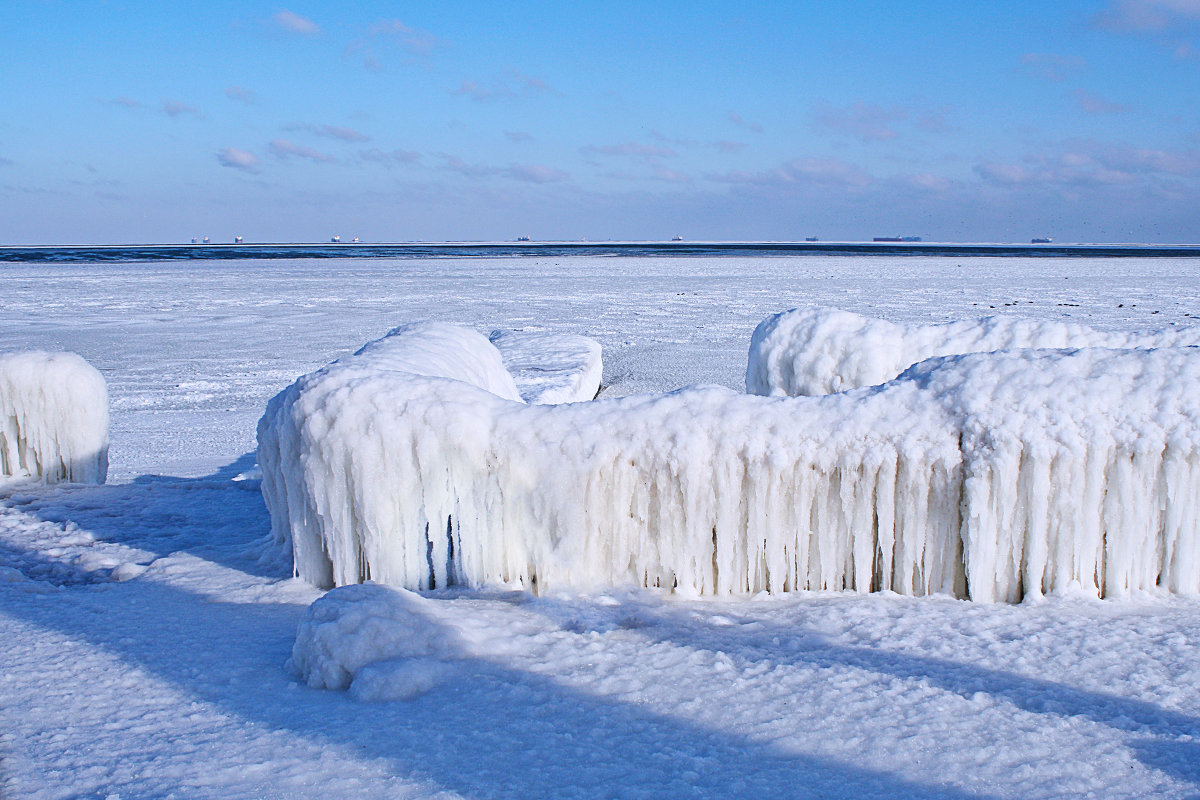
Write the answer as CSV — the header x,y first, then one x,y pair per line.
x,y
142,121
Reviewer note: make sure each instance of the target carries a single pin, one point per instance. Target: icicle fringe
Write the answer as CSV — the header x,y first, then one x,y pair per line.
x,y
992,476
53,418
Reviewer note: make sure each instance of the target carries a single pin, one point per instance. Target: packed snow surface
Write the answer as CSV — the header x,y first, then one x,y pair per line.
x,y
551,368
992,476
53,418
146,626
814,351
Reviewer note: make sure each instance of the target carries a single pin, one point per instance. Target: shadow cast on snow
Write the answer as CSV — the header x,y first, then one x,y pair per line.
x,y
219,517
491,732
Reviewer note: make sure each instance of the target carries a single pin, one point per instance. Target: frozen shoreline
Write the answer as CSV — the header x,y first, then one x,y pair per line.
x,y
147,629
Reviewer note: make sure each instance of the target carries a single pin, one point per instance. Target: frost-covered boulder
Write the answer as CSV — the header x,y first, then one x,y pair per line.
x,y
551,368
53,418
994,476
379,642
818,351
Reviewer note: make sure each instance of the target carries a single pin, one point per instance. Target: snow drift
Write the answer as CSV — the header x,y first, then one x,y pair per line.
x,y
379,642
53,418
551,368
823,350
991,476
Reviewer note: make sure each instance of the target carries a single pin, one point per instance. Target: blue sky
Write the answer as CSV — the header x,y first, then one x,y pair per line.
x,y
986,121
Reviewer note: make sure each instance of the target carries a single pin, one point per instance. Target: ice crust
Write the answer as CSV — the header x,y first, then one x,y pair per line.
x,y
53,418
815,351
993,476
551,368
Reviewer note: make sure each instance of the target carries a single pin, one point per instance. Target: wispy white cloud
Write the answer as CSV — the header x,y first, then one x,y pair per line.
x,y
726,146
175,109
389,158
526,173
234,158
867,122
1094,104
294,23
736,119
1083,163
283,149
820,172
385,34
534,173
1148,16
241,94
1051,66
512,84
329,131
518,136
628,149
172,108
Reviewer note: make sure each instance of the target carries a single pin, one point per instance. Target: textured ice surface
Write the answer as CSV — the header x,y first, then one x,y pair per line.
x,y
994,476
551,368
815,351
53,418
380,642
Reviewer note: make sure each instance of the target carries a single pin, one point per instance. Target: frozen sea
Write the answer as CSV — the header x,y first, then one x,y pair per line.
x,y
145,624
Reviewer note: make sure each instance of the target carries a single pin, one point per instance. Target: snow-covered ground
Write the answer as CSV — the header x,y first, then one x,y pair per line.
x,y
145,624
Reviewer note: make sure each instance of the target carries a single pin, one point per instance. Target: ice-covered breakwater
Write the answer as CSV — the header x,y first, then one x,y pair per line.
x,y
818,351
992,476
53,418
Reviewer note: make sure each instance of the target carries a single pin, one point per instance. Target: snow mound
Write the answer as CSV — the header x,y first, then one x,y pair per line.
x,y
53,418
551,368
823,350
992,476
379,642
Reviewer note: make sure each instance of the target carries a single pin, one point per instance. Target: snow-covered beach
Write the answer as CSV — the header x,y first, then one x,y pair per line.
x,y
147,623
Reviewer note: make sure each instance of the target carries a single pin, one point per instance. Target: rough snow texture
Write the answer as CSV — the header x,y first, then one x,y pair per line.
x,y
992,476
379,642
551,368
53,418
817,351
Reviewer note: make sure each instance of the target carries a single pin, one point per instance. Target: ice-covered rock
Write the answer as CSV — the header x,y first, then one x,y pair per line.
x,y
816,351
551,368
994,476
53,418
381,643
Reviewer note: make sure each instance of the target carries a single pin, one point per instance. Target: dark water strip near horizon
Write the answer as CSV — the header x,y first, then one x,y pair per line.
x,y
170,252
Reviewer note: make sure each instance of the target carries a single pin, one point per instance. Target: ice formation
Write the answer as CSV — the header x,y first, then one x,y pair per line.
x,y
993,476
551,368
379,642
53,418
818,351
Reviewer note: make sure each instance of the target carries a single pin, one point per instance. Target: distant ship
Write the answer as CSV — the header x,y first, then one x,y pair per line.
x,y
897,239
676,238
335,238
522,238
237,240
195,240
1040,241
811,239
355,240
206,240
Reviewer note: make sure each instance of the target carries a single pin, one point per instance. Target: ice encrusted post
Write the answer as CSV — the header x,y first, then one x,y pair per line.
x,y
53,418
995,476
815,351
